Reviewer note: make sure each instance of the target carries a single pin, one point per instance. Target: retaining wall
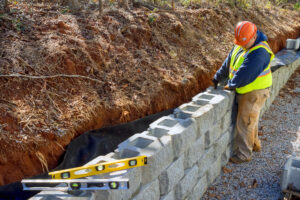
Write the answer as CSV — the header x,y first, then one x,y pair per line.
x,y
186,150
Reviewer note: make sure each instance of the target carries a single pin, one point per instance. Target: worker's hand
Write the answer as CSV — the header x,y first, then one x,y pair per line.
x,y
226,87
215,83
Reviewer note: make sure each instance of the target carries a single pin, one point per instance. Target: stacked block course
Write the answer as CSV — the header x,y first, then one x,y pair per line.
x,y
186,150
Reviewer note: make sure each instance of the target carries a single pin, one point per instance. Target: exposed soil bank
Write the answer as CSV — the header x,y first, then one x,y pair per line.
x,y
142,66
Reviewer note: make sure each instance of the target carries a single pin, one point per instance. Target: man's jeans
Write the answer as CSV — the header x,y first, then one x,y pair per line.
x,y
249,106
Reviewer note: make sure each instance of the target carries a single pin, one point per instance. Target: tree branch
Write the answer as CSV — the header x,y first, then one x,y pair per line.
x,y
51,76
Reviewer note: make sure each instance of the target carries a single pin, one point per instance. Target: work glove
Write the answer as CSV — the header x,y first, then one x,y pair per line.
x,y
226,87
215,83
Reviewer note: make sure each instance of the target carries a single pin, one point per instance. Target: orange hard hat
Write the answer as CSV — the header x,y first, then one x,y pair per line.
x,y
243,32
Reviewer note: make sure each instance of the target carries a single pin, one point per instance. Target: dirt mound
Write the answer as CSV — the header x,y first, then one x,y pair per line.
x,y
121,67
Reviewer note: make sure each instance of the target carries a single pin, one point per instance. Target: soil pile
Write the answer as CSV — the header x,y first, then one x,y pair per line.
x,y
105,71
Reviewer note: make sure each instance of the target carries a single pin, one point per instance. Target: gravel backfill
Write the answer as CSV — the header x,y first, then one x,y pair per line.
x,y
279,131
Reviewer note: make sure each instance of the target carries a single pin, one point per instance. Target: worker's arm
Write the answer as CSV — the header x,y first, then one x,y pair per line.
x,y
223,72
253,65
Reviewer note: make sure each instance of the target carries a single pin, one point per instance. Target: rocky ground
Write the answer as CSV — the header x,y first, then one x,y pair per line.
x,y
279,131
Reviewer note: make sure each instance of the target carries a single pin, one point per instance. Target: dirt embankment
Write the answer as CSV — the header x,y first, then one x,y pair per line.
x,y
138,63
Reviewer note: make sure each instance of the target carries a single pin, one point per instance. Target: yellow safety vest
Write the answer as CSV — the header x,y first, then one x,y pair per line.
x,y
264,79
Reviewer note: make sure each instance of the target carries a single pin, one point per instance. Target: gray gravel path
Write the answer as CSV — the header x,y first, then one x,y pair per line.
x,y
279,131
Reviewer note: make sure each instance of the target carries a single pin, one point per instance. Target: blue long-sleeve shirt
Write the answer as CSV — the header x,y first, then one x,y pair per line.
x,y
253,65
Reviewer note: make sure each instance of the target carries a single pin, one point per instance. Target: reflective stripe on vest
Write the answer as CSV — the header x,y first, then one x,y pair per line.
x,y
263,80
263,73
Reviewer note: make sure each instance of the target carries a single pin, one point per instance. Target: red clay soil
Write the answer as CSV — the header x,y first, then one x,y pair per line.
x,y
139,63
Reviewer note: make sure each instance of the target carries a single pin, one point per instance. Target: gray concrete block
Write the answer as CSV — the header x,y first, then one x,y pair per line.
x,y
162,126
222,143
158,150
218,128
187,183
213,134
57,195
232,98
149,191
214,171
169,196
135,178
110,195
171,176
227,120
183,132
183,135
230,94
186,110
296,147
194,153
203,115
205,162
204,118
166,121
232,132
199,189
292,44
217,98
226,155
290,180
158,132
137,141
113,195
101,159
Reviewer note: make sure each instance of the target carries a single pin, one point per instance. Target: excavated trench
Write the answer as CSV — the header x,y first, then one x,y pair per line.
x,y
187,62
87,147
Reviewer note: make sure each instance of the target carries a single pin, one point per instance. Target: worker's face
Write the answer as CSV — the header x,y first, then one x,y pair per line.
x,y
250,43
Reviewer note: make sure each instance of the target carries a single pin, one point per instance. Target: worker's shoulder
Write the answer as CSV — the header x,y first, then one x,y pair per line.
x,y
261,51
257,56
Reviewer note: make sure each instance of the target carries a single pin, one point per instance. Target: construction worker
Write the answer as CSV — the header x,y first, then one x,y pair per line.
x,y
248,69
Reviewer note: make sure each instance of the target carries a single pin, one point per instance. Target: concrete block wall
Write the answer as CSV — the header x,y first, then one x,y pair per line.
x,y
186,150
291,175
293,44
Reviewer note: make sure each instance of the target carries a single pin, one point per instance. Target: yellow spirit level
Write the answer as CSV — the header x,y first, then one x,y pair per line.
x,y
101,168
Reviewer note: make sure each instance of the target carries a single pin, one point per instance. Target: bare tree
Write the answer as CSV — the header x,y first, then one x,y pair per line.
x,y
100,7
74,5
124,4
236,3
6,9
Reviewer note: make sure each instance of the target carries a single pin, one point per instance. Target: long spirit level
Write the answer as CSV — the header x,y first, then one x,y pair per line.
x,y
75,184
101,168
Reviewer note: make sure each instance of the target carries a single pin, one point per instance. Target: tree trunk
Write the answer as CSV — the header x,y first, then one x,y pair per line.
x,y
64,2
6,9
235,3
124,4
100,7
74,5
